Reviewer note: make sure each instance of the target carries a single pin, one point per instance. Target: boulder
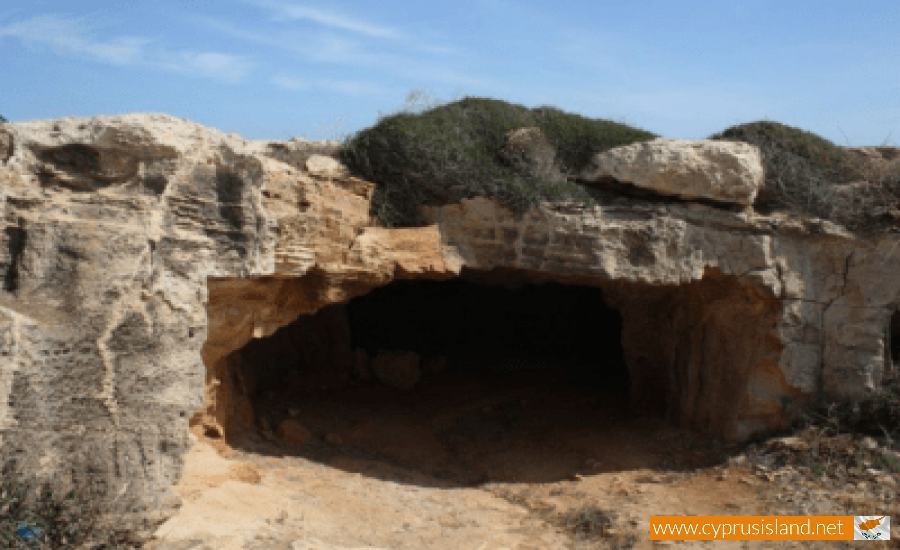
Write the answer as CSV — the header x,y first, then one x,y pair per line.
x,y
327,167
722,171
398,369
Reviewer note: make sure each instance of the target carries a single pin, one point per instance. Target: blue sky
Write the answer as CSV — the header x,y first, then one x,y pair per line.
x,y
273,69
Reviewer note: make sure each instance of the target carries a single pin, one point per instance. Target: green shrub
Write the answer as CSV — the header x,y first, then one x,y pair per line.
x,y
3,119
454,151
804,173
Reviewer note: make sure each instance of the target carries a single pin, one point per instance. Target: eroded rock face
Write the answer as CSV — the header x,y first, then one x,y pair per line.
x,y
6,145
729,172
139,253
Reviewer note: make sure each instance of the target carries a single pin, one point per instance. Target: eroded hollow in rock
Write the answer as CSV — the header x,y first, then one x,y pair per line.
x,y
457,380
499,375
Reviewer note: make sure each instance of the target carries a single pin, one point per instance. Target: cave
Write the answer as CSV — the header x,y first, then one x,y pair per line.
x,y
502,375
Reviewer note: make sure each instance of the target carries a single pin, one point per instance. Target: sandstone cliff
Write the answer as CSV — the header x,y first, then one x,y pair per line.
x,y
137,252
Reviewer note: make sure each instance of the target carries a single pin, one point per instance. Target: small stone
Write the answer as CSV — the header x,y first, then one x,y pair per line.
x,y
292,431
869,444
887,480
738,460
293,412
793,443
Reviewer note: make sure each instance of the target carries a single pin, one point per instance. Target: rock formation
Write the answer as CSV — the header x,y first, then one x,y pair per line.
x,y
139,252
729,172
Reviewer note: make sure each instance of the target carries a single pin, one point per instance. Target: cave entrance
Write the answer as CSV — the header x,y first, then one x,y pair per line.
x,y
458,380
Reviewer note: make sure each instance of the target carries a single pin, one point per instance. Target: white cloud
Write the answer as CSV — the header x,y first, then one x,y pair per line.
x,y
352,87
345,87
289,82
291,12
75,36
324,47
71,36
220,66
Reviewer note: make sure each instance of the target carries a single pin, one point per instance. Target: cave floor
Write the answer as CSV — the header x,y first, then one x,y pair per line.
x,y
466,461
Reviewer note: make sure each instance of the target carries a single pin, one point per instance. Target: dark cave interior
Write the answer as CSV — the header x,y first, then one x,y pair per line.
x,y
564,331
560,326
533,378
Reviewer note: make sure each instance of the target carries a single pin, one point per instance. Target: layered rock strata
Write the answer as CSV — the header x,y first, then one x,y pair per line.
x,y
137,253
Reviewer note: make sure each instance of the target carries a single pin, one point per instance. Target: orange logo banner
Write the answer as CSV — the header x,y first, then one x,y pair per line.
x,y
753,527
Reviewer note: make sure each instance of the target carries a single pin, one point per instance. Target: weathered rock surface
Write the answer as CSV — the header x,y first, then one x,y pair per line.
x,y
6,145
398,369
529,150
139,253
723,171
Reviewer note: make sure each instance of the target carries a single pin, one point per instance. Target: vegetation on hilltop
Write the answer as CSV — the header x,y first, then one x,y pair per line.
x,y
447,152
455,151
807,174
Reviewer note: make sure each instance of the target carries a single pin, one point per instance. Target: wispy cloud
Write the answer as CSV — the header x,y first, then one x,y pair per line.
x,y
289,82
220,66
282,11
328,48
71,36
346,87
352,87
76,36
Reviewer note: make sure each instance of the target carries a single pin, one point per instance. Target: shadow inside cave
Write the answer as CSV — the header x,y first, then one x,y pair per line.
x,y
526,384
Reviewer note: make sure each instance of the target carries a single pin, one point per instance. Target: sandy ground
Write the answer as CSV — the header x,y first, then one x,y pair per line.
x,y
475,463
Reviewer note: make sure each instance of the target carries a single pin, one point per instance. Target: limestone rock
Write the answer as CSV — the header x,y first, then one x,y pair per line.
x,y
724,171
6,145
319,165
398,369
141,255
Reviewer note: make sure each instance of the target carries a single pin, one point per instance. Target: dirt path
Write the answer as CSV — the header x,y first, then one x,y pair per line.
x,y
527,464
